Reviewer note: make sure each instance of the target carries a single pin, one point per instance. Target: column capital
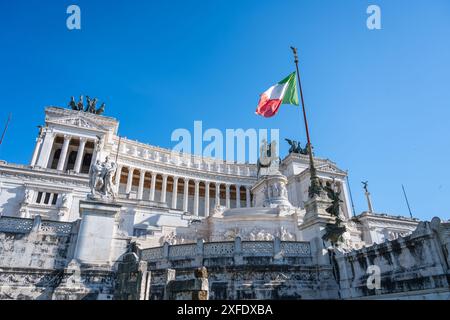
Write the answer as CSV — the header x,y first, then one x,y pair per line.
x,y
83,139
142,173
197,182
154,174
175,178
67,137
48,133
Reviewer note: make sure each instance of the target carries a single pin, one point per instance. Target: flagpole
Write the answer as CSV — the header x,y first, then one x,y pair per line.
x,y
407,202
315,188
6,128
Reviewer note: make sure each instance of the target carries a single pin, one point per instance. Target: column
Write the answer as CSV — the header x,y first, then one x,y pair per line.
x,y
63,155
36,151
47,147
129,181
118,175
196,197
117,178
80,154
186,195
175,192
153,187
238,196
369,202
141,184
207,199
227,196
247,196
217,195
164,189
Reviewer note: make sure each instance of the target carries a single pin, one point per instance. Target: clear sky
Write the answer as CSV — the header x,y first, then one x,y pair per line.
x,y
378,101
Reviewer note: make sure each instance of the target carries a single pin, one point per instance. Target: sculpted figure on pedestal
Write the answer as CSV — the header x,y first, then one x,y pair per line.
x,y
27,197
80,104
73,104
295,147
101,180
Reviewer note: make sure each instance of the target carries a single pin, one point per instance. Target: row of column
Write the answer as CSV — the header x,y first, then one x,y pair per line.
x,y
45,154
163,196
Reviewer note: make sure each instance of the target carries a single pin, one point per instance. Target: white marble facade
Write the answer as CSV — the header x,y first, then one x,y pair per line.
x,y
160,193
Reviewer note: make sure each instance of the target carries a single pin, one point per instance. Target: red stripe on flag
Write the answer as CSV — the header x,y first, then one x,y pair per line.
x,y
268,108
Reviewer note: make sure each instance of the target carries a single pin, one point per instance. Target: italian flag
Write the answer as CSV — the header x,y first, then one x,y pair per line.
x,y
284,92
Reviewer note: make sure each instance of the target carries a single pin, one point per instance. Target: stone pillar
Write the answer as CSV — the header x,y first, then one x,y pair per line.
x,y
228,205
36,151
238,196
141,184
164,189
95,236
130,180
186,195
207,199
63,155
369,202
238,259
217,200
196,197
175,192
80,154
248,196
118,176
46,149
153,187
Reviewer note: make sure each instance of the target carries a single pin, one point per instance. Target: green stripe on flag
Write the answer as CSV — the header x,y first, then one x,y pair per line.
x,y
291,95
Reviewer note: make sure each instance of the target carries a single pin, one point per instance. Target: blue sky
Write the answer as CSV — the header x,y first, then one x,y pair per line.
x,y
378,101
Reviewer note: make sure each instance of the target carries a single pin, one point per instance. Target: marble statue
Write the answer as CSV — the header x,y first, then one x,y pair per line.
x,y
65,201
99,144
101,180
65,204
27,197
268,159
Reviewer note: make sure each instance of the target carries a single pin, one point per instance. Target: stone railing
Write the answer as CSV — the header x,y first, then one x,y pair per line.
x,y
21,225
15,225
236,253
55,228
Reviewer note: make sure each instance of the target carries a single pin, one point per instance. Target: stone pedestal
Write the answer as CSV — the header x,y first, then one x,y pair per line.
x,y
313,227
270,191
96,232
